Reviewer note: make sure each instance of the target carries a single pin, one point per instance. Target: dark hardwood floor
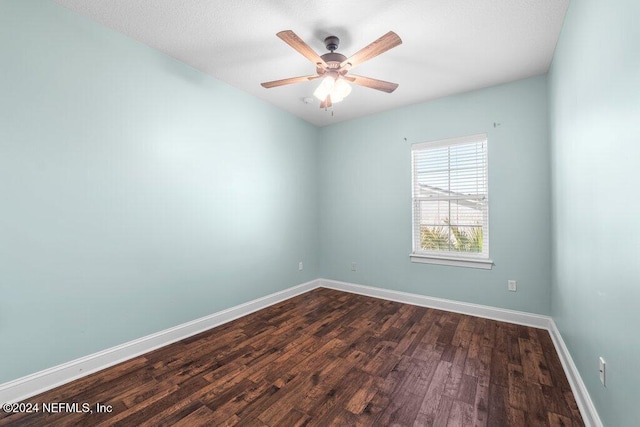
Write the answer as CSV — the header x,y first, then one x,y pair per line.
x,y
332,358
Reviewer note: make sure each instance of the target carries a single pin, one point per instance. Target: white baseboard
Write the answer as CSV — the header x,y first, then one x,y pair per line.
x,y
31,385
585,404
587,409
502,314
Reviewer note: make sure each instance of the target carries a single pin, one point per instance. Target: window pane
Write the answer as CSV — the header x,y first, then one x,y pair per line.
x,y
434,213
434,238
451,225
466,212
466,239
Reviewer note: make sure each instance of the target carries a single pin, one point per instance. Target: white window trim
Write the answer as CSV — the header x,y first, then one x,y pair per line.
x,y
481,262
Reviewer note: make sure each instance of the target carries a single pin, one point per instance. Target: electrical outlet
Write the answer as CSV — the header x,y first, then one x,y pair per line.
x,y
602,369
300,266
512,285
354,266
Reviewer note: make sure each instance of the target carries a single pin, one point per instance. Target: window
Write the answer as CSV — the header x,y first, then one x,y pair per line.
x,y
451,202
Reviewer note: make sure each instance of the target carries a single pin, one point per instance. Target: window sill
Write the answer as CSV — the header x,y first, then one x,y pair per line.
x,y
485,264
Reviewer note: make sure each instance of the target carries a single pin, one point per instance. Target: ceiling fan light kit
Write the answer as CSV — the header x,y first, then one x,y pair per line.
x,y
333,67
336,87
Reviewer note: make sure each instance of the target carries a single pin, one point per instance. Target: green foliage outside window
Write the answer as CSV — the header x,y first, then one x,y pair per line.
x,y
451,238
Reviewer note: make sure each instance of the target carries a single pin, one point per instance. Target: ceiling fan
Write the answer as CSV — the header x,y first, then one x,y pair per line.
x,y
334,67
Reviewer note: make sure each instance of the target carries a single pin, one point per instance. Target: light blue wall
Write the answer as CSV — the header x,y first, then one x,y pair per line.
x,y
595,128
365,197
136,193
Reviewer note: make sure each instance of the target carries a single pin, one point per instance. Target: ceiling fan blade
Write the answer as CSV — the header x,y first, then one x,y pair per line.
x,y
383,44
326,103
289,81
372,83
290,38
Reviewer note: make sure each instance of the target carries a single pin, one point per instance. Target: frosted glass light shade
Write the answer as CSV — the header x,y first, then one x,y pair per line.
x,y
325,88
340,90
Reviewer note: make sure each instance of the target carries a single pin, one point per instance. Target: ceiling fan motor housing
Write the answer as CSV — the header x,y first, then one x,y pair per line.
x,y
332,43
333,59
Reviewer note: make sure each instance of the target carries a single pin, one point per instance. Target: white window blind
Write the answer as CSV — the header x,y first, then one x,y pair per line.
x,y
451,198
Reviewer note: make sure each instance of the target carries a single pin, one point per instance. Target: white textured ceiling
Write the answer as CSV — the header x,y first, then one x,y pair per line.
x,y
448,46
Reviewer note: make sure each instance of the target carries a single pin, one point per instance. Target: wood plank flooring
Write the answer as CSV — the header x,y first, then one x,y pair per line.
x,y
331,358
